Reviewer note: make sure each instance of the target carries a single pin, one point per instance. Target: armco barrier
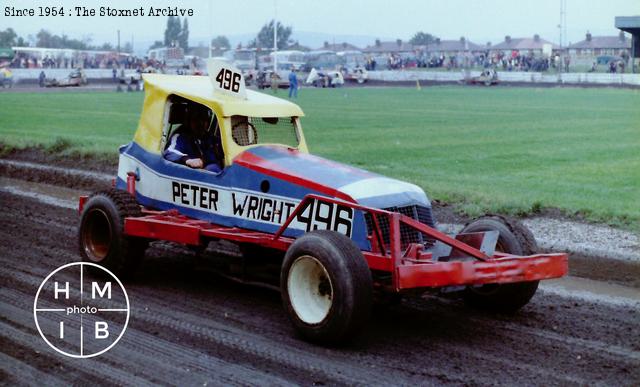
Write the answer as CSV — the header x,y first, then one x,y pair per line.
x,y
21,75
404,76
509,77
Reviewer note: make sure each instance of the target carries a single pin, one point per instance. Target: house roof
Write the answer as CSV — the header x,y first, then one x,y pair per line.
x,y
603,42
453,45
344,46
523,44
390,46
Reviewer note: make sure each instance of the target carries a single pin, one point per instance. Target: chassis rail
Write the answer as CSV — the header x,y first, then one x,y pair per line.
x,y
409,268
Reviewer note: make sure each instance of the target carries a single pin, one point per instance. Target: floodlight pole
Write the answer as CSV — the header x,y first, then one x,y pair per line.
x,y
563,32
210,30
275,37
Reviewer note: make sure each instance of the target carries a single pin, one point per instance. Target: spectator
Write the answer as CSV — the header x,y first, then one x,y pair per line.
x,y
275,78
41,78
293,83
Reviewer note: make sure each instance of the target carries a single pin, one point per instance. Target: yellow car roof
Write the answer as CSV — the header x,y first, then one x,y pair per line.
x,y
199,89
159,87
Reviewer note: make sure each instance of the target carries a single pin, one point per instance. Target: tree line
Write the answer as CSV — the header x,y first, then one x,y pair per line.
x,y
44,38
176,33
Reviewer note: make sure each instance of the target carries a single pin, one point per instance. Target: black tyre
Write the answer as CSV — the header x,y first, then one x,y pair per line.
x,y
100,236
326,287
514,238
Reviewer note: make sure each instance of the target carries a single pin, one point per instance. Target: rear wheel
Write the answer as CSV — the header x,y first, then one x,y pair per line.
x,y
326,287
514,238
101,238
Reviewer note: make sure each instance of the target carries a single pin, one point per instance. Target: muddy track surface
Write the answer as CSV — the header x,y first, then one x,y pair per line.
x,y
191,327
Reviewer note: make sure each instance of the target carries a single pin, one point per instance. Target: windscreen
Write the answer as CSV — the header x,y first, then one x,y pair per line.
x,y
264,130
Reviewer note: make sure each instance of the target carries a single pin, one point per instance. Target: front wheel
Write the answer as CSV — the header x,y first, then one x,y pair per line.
x,y
326,287
101,234
514,238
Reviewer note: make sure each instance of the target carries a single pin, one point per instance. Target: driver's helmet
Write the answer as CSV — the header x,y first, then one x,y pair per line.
x,y
196,110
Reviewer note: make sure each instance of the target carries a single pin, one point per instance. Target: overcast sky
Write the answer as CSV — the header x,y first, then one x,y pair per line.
x,y
480,21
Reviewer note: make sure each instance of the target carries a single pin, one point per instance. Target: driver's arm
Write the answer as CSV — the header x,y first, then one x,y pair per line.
x,y
178,150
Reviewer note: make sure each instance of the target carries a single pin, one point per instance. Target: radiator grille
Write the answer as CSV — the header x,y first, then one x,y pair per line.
x,y
407,234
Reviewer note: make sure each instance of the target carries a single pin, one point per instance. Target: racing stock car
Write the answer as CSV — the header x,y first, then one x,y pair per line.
x,y
339,235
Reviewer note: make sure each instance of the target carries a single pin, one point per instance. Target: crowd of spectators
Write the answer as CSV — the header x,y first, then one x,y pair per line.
x,y
370,64
86,61
513,61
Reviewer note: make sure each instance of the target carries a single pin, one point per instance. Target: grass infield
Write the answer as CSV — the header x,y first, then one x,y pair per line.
x,y
501,149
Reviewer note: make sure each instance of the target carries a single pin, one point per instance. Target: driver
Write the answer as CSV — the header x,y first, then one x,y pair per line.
x,y
193,145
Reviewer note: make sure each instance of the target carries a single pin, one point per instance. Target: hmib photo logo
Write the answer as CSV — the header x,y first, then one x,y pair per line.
x,y
81,310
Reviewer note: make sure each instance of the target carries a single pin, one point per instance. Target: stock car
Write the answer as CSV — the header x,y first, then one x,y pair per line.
x,y
338,236
77,77
487,77
325,78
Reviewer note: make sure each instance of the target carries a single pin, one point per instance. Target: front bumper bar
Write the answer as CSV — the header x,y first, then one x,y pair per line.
x,y
506,269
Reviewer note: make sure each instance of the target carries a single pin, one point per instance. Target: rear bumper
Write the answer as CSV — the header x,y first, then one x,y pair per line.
x,y
508,269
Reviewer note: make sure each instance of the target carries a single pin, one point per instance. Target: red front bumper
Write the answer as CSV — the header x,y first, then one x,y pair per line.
x,y
506,269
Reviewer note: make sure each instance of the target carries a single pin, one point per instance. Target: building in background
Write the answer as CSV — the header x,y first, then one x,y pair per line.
x,y
390,54
452,47
631,24
337,47
599,49
535,46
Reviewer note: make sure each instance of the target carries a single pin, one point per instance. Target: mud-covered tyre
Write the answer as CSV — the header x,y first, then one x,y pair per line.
x,y
100,235
326,287
514,238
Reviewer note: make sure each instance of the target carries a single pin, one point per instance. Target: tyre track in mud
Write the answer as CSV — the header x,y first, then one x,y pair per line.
x,y
188,326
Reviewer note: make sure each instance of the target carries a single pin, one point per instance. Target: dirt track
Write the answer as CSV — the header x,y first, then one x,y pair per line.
x,y
190,327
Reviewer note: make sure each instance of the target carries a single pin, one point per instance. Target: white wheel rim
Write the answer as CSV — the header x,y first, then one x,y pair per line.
x,y
310,289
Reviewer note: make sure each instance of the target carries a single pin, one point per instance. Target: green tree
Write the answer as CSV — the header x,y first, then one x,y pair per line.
x,y
105,47
172,32
183,38
156,44
422,39
44,39
297,46
264,39
220,43
8,38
